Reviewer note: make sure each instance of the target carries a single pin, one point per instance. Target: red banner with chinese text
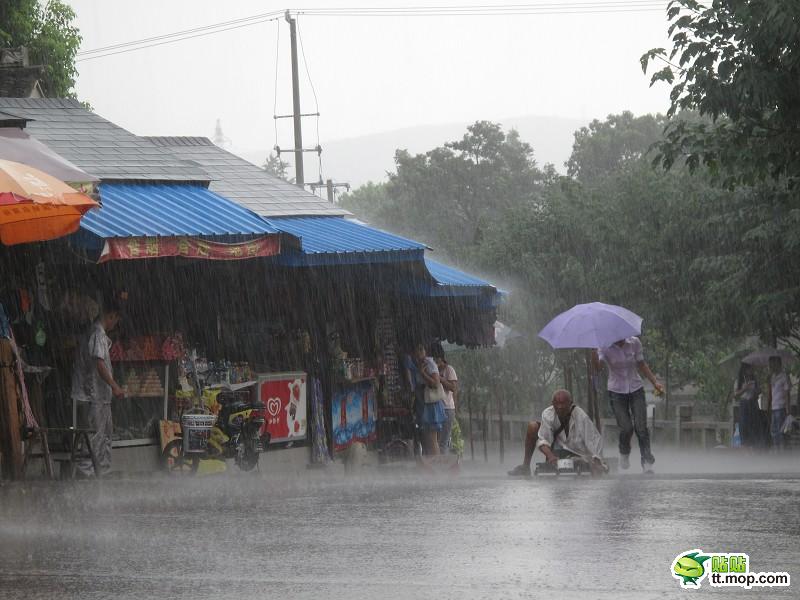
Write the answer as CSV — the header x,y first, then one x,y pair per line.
x,y
158,247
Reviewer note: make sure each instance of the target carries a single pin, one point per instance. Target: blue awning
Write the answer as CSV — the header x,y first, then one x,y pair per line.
x,y
448,276
337,241
151,210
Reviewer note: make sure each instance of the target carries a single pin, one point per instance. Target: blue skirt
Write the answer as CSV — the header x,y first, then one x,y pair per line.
x,y
433,416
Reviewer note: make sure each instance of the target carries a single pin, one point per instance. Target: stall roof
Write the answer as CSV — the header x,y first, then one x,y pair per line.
x,y
136,210
244,182
449,276
337,240
96,145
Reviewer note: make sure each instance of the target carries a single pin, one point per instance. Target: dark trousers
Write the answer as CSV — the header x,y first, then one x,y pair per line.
x,y
630,411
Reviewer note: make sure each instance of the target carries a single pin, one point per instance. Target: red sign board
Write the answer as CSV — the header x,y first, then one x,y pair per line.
x,y
284,397
188,247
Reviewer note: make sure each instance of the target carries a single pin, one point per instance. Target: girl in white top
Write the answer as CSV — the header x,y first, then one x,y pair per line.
x,y
626,364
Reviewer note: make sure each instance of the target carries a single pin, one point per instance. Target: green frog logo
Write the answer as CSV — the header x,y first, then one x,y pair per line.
x,y
688,568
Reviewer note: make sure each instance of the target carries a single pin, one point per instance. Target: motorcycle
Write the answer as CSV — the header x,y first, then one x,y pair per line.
x,y
236,434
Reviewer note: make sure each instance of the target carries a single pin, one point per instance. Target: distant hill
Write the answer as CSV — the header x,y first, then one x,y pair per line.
x,y
367,158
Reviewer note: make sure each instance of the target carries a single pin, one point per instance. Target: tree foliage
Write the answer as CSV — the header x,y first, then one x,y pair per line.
x,y
275,166
738,63
47,30
449,195
701,263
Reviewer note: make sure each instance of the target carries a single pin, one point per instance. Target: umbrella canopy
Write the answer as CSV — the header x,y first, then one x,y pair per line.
x,y
17,145
593,325
35,206
760,358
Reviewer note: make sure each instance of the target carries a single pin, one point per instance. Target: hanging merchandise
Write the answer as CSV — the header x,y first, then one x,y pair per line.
x,y
41,336
319,438
41,287
26,306
5,323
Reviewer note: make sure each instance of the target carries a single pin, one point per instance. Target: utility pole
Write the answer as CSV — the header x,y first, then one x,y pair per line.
x,y
330,187
298,132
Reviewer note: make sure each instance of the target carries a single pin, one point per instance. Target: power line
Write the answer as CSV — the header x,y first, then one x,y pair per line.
x,y
180,33
172,41
550,8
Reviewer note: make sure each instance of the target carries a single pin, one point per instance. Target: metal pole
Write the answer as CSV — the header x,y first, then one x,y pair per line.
x,y
485,427
298,132
329,185
471,437
501,426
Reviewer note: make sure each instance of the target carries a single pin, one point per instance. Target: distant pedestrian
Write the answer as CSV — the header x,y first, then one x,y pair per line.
x,y
748,391
626,364
780,400
449,381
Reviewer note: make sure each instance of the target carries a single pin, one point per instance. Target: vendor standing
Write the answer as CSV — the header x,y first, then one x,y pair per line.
x,y
625,362
93,387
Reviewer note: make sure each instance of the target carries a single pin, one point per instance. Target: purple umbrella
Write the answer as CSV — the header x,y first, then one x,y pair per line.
x,y
760,358
593,325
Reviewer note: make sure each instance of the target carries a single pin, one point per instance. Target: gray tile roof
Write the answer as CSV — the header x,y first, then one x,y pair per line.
x,y
98,146
245,183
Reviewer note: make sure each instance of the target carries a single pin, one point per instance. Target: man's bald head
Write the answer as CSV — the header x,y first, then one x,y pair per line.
x,y
562,403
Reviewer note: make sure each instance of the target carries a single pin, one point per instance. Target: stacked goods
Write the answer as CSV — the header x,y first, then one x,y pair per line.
x,y
143,384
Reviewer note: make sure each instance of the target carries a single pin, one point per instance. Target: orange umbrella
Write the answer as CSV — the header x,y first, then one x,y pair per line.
x,y
35,206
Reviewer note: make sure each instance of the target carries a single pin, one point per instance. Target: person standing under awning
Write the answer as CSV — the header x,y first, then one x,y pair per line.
x,y
93,386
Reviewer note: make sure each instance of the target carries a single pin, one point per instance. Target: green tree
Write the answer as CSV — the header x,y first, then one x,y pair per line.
x,y
47,30
276,167
738,63
604,146
449,195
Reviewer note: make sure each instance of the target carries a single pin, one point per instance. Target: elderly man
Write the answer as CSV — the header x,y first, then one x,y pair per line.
x,y
93,386
565,430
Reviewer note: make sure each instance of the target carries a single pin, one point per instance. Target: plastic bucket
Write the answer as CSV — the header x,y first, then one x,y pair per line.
x,y
196,431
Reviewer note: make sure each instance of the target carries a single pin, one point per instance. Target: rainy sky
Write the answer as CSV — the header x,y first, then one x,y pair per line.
x,y
370,74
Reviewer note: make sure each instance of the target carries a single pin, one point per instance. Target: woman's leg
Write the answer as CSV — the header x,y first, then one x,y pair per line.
x,y
432,438
639,411
620,404
447,428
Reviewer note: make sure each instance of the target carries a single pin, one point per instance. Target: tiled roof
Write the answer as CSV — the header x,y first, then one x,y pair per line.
x,y
245,183
98,146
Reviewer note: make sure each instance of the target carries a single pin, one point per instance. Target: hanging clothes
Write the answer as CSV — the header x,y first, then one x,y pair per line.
x,y
319,440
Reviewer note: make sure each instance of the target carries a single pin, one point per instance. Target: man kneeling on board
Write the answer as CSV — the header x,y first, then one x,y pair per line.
x,y
565,431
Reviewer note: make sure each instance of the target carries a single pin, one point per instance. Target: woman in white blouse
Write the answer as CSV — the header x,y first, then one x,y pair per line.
x,y
626,365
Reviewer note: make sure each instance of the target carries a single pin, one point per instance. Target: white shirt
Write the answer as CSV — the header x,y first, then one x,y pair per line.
x,y
623,366
449,374
580,437
87,385
780,391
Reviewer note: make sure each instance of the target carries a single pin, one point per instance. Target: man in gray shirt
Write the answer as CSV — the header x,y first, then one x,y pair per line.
x,y
93,387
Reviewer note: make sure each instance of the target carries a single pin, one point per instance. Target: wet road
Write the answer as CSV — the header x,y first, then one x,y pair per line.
x,y
480,535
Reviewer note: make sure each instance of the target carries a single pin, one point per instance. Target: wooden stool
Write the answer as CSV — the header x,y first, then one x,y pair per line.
x,y
75,433
44,452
